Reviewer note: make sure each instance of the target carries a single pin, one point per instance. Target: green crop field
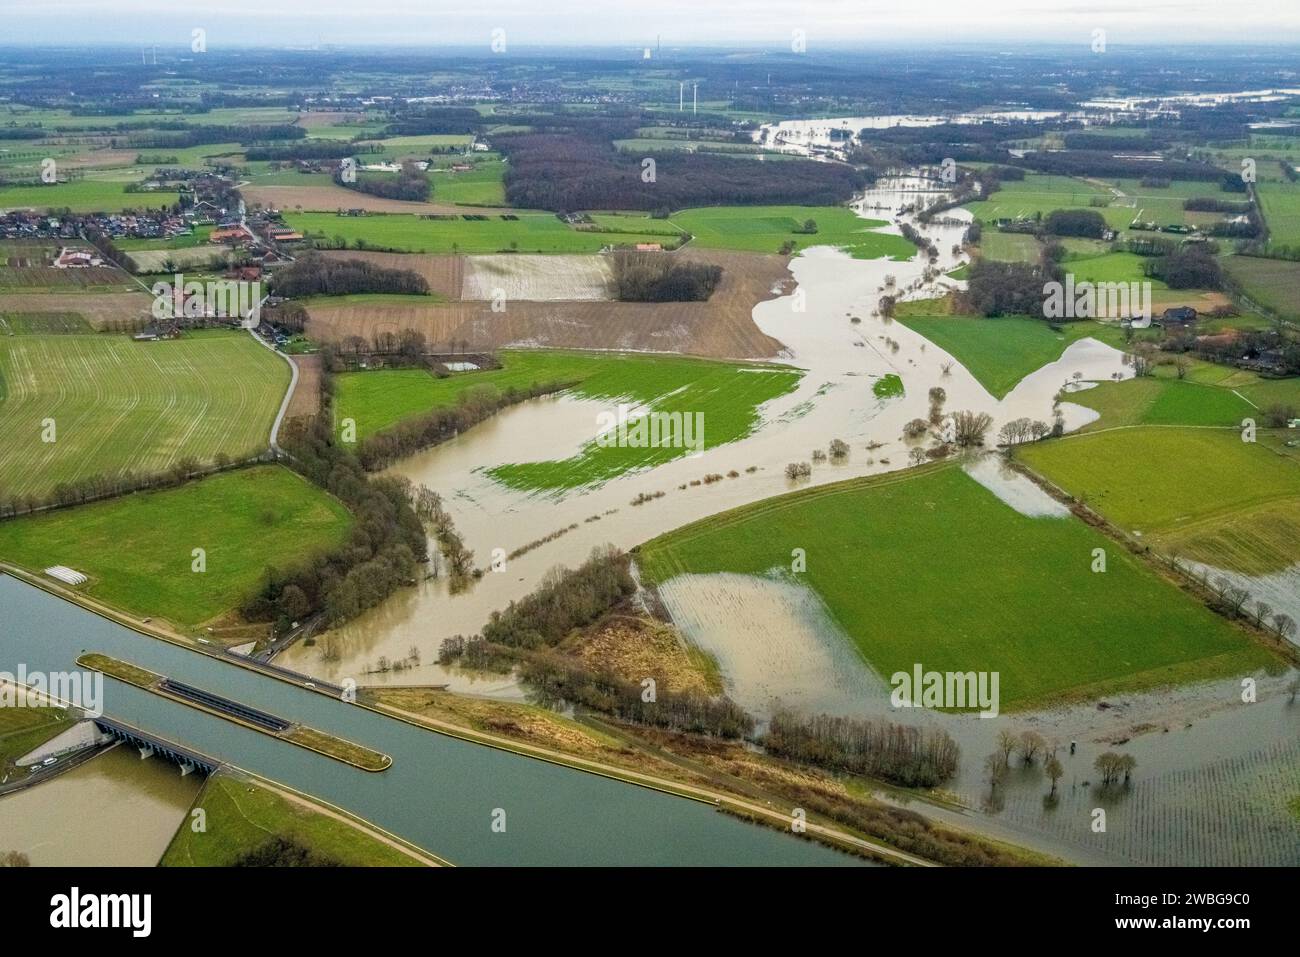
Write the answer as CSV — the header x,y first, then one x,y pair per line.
x,y
764,229
1018,597
138,549
725,395
1203,492
82,196
119,405
529,233
242,816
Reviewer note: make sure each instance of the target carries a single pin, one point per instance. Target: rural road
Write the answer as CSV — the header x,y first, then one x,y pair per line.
x,y
288,395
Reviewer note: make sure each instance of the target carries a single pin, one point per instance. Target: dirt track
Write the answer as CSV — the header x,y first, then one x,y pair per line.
x,y
723,327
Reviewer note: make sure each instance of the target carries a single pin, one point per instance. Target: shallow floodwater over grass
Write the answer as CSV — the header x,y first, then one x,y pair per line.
x,y
720,400
1020,596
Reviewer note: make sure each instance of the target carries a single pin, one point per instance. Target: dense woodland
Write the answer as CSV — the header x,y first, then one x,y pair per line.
x,y
654,277
568,171
314,275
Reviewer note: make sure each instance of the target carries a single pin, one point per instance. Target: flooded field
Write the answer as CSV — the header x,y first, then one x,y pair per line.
x,y
833,400
775,643
115,810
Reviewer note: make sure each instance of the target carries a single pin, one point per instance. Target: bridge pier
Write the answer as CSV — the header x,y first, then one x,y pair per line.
x,y
145,752
186,768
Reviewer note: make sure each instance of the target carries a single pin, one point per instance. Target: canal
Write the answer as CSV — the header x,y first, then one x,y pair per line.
x,y
441,793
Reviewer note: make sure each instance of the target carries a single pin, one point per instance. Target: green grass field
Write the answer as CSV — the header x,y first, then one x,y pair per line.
x,y
1040,194
120,405
138,549
998,352
763,229
1010,247
481,186
1280,204
1110,267
1163,401
530,233
1203,492
726,395
82,196
1018,597
22,729
242,815
1270,282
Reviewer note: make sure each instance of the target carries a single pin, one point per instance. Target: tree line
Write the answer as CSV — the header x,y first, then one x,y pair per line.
x,y
898,753
383,550
314,275
473,406
102,485
566,171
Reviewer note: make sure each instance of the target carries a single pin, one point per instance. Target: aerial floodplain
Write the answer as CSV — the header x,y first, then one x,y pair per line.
x,y
1020,594
649,436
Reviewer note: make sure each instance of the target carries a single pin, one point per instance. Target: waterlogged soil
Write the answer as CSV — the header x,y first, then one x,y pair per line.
x,y
775,643
1013,488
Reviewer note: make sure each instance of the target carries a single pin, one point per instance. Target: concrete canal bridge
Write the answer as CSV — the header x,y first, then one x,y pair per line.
x,y
152,746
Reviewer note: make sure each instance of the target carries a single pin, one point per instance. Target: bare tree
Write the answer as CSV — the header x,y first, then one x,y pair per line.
x,y
1006,745
1031,742
1283,625
1054,770
1262,612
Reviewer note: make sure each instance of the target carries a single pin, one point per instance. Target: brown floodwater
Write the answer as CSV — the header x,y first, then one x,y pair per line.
x,y
833,400
115,810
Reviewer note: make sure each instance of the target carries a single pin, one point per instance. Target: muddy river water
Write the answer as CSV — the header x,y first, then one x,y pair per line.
x,y
114,810
1216,773
834,399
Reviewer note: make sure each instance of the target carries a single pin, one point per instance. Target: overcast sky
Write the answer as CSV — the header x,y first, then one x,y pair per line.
x,y
637,22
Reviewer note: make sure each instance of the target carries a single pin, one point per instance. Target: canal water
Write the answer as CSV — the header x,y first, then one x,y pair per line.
x,y
441,793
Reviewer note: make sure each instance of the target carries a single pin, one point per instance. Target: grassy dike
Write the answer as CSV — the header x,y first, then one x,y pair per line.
x,y
304,737
240,813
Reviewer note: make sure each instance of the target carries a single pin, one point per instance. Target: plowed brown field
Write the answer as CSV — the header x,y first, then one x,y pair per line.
x,y
721,328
